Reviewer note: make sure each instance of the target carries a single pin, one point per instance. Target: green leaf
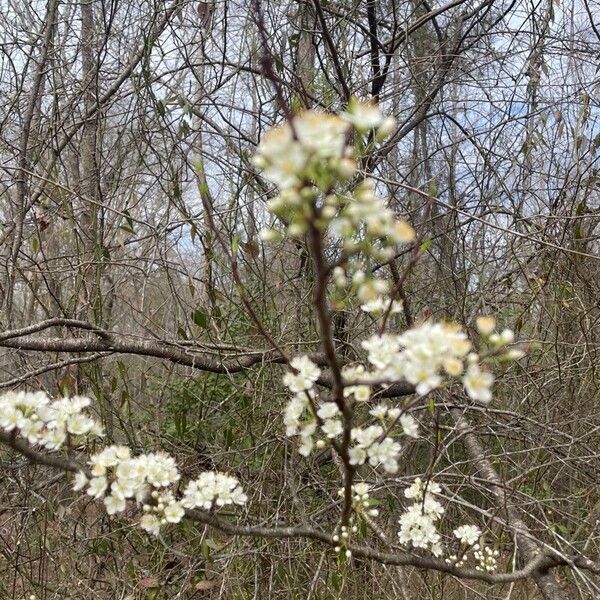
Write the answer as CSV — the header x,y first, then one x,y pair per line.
x,y
213,544
200,319
335,580
425,246
362,527
128,225
124,406
431,405
131,569
208,545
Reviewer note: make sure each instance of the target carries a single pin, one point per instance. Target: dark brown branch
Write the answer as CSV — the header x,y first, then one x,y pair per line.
x,y
41,458
332,50
536,567
52,367
540,564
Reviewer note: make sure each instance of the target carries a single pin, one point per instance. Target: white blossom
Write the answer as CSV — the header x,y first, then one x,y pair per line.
x,y
212,487
409,426
363,115
486,325
393,413
305,377
382,350
467,534
379,411
79,424
384,453
287,155
328,410
80,481
417,489
332,428
357,455
365,437
150,523
45,422
417,528
293,414
97,486
360,392
417,524
380,305
306,446
174,512
486,558
478,383
507,336
114,504
161,469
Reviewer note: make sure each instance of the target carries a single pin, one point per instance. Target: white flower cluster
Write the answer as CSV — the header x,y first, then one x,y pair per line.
x,y
299,418
118,477
304,414
304,376
486,557
372,444
46,422
366,224
344,538
467,534
422,355
378,306
417,524
165,509
311,155
312,148
210,489
352,374
361,499
366,117
213,488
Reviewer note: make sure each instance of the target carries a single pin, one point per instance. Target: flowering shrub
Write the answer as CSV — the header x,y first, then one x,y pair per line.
x,y
314,166
113,474
313,161
44,422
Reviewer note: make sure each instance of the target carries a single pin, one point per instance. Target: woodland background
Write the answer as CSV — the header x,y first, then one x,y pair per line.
x,y
112,284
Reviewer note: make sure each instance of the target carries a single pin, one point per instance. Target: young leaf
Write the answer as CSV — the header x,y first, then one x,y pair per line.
x,y
200,319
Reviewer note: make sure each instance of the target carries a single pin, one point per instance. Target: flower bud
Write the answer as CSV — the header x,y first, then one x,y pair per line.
x,y
486,325
270,235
